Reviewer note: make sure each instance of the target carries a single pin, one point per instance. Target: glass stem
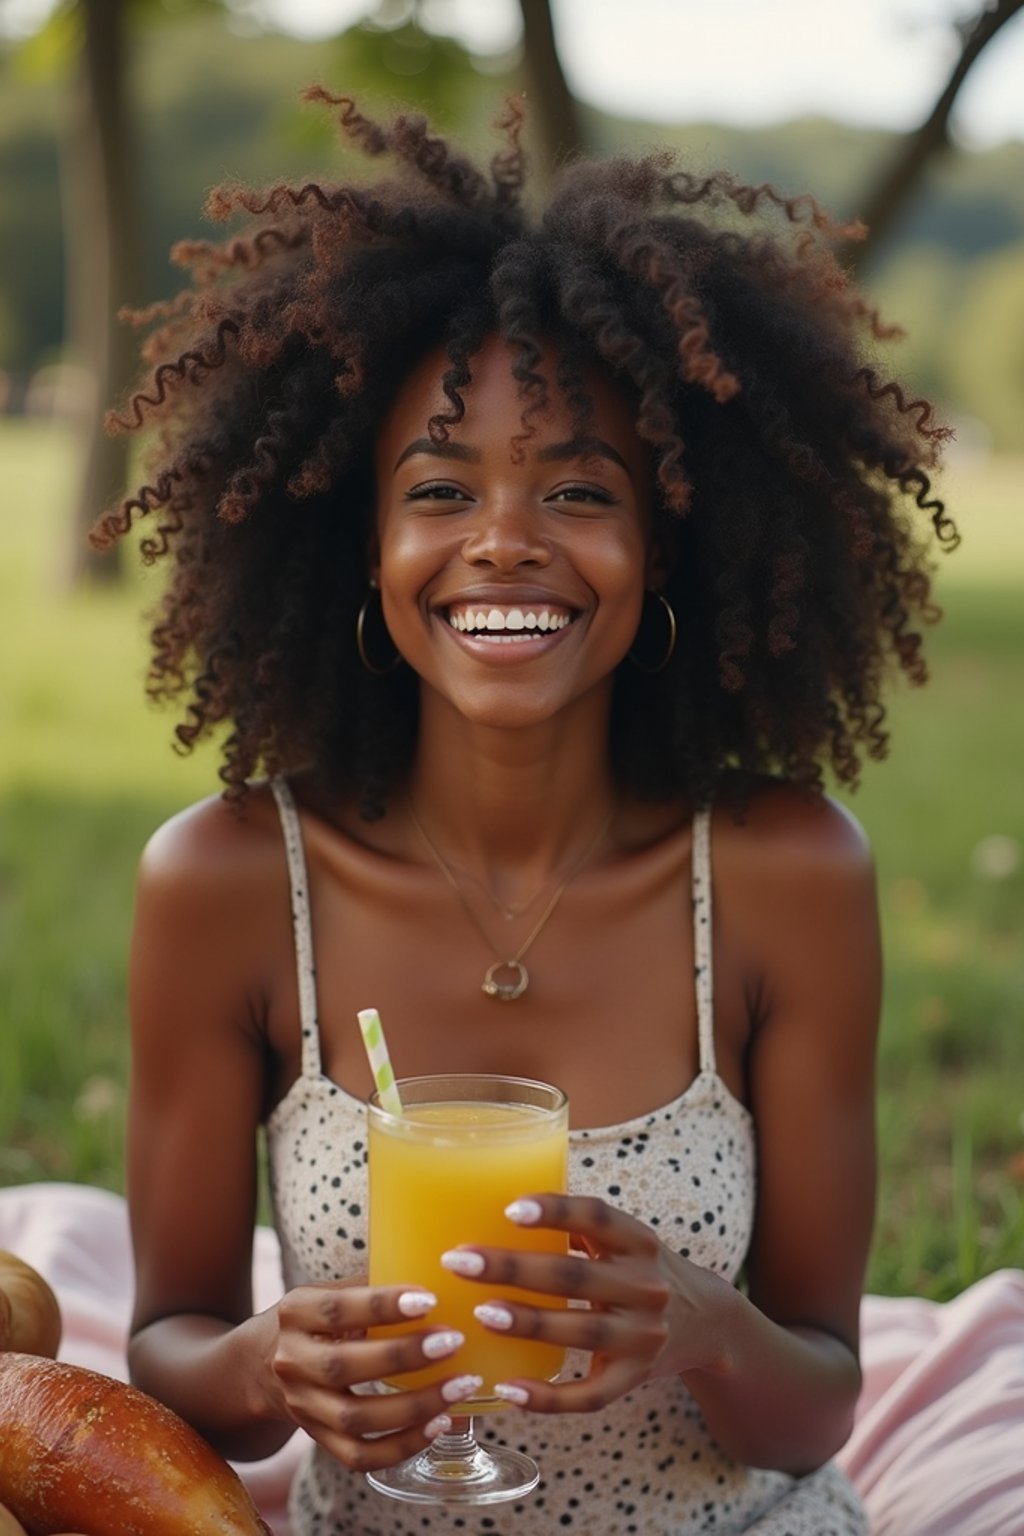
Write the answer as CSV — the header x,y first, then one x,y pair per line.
x,y
456,1450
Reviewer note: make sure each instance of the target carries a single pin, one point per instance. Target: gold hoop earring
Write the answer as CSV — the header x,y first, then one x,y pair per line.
x,y
361,635
673,632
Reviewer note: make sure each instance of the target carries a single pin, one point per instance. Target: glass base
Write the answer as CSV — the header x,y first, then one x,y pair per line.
x,y
455,1469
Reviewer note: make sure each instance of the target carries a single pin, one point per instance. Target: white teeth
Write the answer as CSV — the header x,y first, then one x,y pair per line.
x,y
501,621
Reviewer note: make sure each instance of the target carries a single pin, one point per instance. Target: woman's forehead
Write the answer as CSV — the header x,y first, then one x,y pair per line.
x,y
494,401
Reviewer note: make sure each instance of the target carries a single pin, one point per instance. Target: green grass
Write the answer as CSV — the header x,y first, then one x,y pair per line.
x,y
87,772
946,817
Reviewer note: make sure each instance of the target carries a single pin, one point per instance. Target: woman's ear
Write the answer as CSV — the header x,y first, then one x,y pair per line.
x,y
373,559
659,565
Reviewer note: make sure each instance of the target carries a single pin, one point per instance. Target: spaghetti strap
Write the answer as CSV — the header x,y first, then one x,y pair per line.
x,y
701,861
304,963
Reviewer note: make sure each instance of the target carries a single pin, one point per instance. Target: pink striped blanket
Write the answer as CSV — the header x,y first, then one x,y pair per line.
x,y
938,1447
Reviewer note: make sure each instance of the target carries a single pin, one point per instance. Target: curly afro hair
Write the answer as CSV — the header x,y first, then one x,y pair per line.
x,y
793,495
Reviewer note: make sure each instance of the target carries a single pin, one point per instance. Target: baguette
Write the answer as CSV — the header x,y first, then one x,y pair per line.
x,y
81,1452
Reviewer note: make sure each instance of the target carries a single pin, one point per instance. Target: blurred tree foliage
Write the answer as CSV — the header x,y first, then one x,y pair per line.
x,y
221,101
984,352
31,249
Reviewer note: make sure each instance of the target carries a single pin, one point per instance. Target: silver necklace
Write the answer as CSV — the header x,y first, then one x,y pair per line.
x,y
518,978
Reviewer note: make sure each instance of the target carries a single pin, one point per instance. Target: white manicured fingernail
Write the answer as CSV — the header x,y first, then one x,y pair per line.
x,y
416,1303
510,1394
439,1426
462,1261
494,1316
461,1387
524,1212
437,1345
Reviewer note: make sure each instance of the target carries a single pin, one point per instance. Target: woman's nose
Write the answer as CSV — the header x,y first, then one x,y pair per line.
x,y
506,534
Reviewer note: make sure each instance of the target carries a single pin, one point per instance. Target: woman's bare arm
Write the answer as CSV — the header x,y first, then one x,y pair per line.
x,y
197,1090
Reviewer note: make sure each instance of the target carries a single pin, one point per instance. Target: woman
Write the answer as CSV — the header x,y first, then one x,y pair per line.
x,y
542,567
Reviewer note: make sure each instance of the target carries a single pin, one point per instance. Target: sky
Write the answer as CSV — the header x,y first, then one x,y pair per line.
x,y
749,62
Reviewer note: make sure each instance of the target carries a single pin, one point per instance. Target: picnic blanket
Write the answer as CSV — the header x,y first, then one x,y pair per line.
x,y
938,1445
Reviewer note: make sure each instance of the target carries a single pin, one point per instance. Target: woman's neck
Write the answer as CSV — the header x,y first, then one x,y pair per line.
x,y
511,809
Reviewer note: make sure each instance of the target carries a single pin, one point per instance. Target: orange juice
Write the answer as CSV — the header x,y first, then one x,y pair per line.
x,y
440,1176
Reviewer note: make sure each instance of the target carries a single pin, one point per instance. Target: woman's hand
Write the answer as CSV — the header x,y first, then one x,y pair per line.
x,y
320,1356
649,1311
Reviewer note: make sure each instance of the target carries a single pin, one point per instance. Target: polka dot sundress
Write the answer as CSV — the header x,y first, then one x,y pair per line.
x,y
647,1464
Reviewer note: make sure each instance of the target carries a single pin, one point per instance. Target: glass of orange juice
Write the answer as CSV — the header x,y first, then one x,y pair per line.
x,y
441,1174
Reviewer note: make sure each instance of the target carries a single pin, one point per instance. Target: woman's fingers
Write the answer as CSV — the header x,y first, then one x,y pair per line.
x,y
325,1353
601,1230
606,1227
607,1380
356,1416
340,1311
323,1334
637,1334
339,1364
621,1275
373,1455
368,1432
630,1282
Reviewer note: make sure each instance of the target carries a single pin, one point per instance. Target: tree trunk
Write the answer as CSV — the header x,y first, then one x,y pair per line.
x,y
103,263
889,197
554,112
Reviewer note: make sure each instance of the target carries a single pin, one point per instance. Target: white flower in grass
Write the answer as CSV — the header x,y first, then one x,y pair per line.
x,y
99,1097
996,857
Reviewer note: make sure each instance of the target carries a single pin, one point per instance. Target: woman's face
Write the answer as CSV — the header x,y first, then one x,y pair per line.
x,y
512,582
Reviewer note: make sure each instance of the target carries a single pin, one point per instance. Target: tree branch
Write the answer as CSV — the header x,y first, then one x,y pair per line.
x,y
554,108
103,264
892,192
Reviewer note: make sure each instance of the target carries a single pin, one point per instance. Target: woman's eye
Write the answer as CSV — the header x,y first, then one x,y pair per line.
x,y
584,493
435,491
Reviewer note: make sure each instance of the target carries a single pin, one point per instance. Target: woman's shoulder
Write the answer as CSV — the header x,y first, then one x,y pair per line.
x,y
795,890
214,844
791,865
781,825
768,823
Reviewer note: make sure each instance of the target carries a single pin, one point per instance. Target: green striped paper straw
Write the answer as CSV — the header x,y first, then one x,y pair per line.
x,y
380,1061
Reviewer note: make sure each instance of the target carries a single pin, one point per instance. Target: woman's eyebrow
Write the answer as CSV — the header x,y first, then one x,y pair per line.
x,y
581,448
457,451
555,453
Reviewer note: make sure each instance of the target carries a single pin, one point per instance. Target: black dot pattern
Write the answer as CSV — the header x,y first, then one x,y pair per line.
x,y
646,1464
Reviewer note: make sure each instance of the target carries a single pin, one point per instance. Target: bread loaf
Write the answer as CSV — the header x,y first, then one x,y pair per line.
x,y
84,1453
29,1314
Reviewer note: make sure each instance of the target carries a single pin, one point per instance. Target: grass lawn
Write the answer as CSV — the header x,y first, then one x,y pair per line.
x,y
86,772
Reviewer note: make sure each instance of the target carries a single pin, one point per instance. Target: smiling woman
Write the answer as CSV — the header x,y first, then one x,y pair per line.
x,y
542,567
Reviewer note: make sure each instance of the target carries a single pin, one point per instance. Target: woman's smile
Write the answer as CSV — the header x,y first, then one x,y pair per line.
x,y
501,628
531,622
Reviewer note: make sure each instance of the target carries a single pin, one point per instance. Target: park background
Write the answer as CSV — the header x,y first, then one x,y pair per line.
x,y
211,92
